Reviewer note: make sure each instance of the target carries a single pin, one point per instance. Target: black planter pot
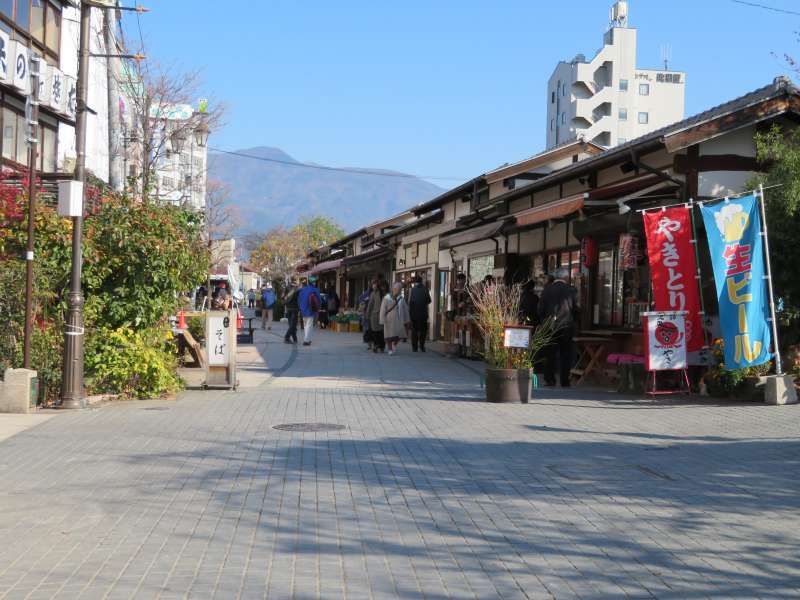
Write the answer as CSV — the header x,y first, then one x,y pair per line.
x,y
511,386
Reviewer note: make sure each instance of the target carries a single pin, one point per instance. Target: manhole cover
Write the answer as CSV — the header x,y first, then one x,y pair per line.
x,y
156,408
310,427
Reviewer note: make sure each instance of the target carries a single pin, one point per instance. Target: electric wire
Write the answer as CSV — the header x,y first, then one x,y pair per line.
x,y
765,7
339,169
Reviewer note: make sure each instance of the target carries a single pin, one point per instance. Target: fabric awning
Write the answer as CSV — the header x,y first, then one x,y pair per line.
x,y
358,259
467,236
552,210
328,265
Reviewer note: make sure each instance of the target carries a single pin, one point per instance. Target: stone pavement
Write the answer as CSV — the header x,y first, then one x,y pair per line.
x,y
426,493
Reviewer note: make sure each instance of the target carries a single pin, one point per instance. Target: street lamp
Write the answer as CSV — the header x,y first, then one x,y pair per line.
x,y
201,135
178,140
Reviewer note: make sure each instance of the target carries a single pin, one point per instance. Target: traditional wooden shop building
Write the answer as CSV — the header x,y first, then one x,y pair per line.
x,y
576,206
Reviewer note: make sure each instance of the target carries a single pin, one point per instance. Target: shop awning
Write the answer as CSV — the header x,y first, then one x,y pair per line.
x,y
328,265
552,210
372,255
474,234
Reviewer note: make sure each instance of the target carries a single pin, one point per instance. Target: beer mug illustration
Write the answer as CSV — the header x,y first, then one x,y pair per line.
x,y
732,221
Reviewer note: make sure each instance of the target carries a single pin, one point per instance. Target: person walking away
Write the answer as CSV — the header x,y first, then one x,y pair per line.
x,y
395,317
560,301
529,304
374,316
361,306
308,299
333,302
268,299
291,309
418,303
322,316
251,298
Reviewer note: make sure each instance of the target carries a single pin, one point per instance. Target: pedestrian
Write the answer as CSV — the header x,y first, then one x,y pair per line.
x,y
460,296
395,317
418,304
291,309
268,299
363,301
251,298
309,302
322,316
560,301
374,316
221,300
529,305
333,302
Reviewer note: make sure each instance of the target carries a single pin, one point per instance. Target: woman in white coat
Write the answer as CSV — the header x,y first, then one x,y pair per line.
x,y
394,317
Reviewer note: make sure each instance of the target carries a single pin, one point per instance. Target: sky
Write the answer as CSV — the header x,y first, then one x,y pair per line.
x,y
444,89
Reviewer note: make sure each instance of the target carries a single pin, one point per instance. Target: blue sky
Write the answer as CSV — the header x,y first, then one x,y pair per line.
x,y
445,88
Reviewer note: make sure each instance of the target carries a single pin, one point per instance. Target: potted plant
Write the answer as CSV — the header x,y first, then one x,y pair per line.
x,y
508,370
745,384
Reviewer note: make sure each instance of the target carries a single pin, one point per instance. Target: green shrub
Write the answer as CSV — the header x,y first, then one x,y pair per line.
x,y
197,327
137,364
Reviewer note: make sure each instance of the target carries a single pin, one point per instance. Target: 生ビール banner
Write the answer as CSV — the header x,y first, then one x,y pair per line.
x,y
673,268
733,228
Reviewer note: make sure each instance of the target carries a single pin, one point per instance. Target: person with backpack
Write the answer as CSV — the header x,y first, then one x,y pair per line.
x,y
268,299
560,301
309,302
291,309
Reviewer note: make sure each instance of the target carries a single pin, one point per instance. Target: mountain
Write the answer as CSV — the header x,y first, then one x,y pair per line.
x,y
270,193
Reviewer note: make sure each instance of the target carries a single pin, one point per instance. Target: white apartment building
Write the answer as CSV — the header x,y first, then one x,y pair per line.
x,y
608,100
182,166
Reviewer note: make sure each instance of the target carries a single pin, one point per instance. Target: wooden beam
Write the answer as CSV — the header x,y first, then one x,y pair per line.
x,y
716,162
693,173
747,116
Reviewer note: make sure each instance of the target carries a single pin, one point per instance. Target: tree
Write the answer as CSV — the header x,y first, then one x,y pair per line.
x,y
282,249
156,95
780,150
221,221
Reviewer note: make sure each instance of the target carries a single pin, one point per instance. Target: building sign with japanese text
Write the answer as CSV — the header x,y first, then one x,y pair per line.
x,y
21,75
665,335
733,228
673,268
5,51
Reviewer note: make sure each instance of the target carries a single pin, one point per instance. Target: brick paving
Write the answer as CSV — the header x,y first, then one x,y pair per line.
x,y
427,493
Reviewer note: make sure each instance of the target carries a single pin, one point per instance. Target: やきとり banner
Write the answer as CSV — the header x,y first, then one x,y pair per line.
x,y
673,268
733,228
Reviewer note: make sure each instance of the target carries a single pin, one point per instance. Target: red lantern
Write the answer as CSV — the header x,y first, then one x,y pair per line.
x,y
589,253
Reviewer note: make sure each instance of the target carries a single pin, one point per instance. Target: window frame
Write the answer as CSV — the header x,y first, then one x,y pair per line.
x,y
644,89
623,85
622,114
24,34
646,120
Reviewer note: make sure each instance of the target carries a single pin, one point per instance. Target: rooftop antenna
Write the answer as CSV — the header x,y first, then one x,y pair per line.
x,y
666,55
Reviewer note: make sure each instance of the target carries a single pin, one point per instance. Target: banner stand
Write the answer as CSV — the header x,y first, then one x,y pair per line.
x,y
665,349
652,387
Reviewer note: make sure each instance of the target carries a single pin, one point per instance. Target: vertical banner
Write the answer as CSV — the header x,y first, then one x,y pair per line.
x,y
673,269
733,228
665,347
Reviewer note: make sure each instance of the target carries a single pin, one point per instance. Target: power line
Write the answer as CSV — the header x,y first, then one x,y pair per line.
x,y
340,169
765,7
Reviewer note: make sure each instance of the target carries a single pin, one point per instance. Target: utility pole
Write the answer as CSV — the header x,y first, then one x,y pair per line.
x,y
33,135
72,378
116,175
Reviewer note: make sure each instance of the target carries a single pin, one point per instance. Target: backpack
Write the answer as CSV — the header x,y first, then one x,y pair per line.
x,y
313,302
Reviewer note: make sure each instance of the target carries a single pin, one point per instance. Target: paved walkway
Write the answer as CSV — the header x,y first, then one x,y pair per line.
x,y
426,493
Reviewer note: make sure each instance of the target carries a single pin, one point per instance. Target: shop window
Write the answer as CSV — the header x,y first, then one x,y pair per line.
x,y
604,288
37,19
22,143
23,16
480,267
49,139
53,28
9,134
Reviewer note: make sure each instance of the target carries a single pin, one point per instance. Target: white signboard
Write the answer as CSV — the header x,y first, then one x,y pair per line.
x,y
218,339
5,57
57,91
71,96
517,337
21,78
665,333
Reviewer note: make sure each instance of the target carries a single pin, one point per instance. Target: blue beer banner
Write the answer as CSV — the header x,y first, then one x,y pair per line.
x,y
733,228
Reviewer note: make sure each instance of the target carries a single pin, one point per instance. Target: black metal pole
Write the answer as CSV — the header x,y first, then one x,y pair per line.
x,y
72,377
32,155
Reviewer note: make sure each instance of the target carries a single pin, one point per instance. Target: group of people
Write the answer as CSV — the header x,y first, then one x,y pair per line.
x,y
388,318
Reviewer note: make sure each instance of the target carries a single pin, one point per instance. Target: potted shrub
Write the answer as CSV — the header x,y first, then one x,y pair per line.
x,y
745,384
508,371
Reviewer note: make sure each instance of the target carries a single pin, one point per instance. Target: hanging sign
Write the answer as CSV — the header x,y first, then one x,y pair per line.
x,y
734,239
665,335
21,77
5,57
673,269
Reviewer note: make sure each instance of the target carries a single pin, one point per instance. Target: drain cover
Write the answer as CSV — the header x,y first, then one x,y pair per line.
x,y
156,408
310,427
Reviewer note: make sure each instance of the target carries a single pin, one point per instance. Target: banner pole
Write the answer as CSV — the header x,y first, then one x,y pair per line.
x,y
764,234
704,316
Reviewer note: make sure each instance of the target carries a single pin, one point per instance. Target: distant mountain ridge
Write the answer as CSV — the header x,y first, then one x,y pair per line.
x,y
269,193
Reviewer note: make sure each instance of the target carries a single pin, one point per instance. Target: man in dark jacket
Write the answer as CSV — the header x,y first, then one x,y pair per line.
x,y
560,301
291,308
418,309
